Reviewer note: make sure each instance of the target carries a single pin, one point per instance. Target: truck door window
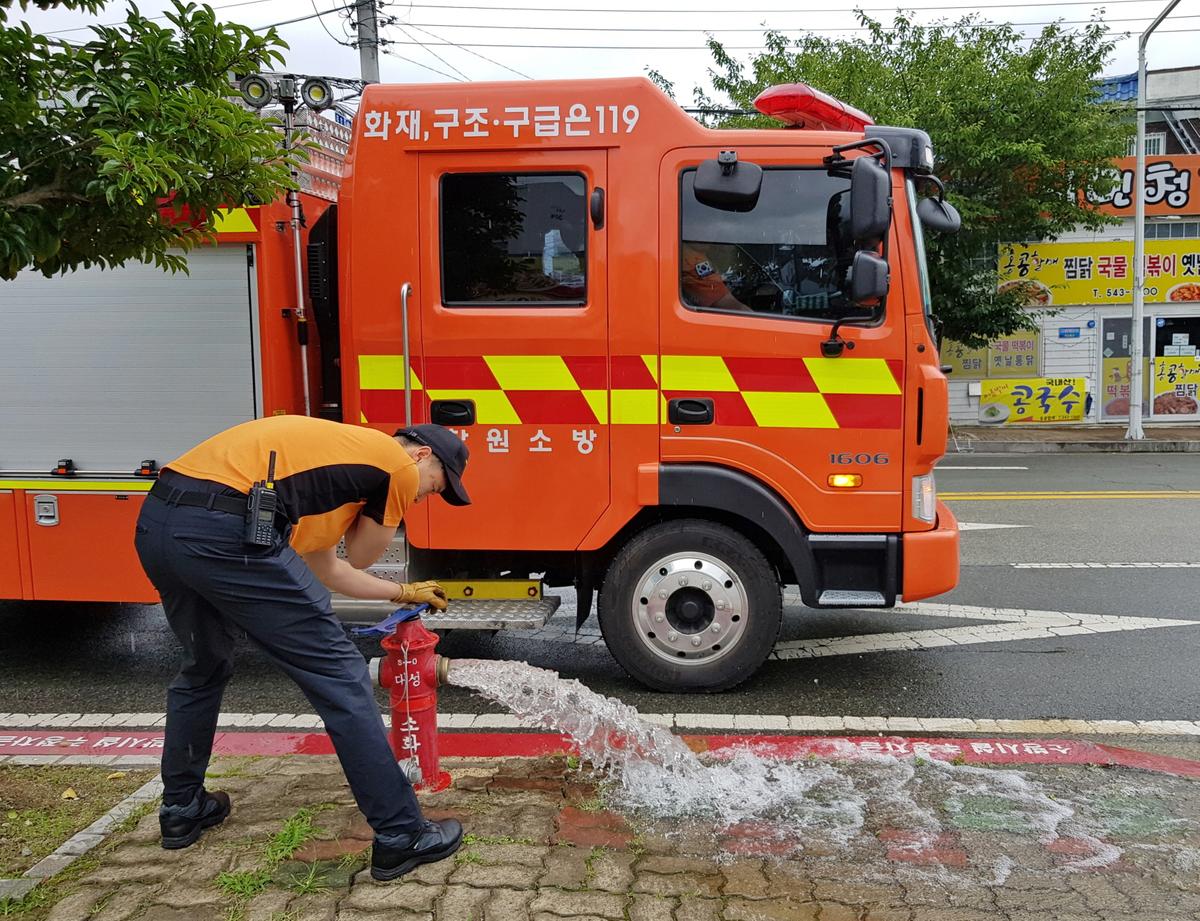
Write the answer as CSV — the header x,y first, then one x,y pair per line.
x,y
787,257
513,238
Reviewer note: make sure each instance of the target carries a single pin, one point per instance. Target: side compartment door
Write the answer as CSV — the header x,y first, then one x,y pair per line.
x,y
746,300
513,349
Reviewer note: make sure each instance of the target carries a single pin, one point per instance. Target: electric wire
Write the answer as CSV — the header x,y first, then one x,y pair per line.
x,y
440,73
468,50
105,25
434,53
321,20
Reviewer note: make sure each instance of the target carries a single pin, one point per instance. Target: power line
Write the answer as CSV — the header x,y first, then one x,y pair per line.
x,y
469,51
440,73
759,30
106,25
691,10
434,53
594,47
321,20
316,15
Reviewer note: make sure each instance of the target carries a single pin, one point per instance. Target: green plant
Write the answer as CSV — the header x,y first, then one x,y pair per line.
x,y
312,881
291,837
244,885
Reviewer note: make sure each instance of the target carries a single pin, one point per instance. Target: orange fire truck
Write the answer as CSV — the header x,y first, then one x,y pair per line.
x,y
692,366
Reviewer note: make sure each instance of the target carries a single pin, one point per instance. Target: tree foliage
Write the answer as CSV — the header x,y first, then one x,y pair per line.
x,y
1015,123
94,135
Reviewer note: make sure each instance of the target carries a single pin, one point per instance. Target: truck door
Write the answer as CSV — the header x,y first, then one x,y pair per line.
x,y
513,350
746,300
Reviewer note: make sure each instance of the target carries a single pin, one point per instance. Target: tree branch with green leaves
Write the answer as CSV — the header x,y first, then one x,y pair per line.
x,y
95,136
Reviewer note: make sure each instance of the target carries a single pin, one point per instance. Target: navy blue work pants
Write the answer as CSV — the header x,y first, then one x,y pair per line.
x,y
213,585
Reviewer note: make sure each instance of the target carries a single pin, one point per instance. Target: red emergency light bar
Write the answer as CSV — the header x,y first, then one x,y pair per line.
x,y
801,106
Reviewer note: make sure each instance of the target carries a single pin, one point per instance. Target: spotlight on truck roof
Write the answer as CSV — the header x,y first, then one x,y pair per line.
x,y
316,93
255,90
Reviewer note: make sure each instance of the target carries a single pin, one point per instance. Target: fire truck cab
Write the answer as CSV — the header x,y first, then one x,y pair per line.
x,y
692,366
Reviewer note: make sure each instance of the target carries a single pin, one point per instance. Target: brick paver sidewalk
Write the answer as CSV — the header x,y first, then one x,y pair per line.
x,y
542,845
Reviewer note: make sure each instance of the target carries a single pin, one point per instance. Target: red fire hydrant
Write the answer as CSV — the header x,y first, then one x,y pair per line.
x,y
412,671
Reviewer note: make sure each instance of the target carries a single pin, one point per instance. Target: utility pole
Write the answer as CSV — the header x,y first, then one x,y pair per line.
x,y
368,40
1135,432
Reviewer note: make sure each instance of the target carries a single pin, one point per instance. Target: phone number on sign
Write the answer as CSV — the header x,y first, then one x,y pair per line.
x,y
575,120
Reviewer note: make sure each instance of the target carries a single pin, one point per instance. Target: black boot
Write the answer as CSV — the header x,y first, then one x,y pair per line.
x,y
180,830
436,841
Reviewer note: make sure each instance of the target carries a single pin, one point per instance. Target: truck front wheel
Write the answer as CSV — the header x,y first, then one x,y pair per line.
x,y
690,605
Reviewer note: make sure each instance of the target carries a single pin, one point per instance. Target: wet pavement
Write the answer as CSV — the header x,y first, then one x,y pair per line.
x,y
884,840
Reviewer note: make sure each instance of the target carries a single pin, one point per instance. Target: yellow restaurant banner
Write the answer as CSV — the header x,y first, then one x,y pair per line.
x,y
1032,400
1114,387
1015,355
1100,273
1177,386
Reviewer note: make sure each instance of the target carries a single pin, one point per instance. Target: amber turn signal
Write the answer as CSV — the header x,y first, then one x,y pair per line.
x,y
845,480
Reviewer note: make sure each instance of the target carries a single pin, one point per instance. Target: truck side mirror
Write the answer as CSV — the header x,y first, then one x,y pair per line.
x,y
726,184
869,279
938,214
870,202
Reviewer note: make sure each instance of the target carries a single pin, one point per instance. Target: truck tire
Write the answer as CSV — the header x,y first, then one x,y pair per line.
x,y
690,605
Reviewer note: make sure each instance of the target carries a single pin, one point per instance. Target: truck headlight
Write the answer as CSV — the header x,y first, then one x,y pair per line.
x,y
924,498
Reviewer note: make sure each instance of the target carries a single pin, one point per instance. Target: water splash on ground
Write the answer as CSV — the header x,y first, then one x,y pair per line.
x,y
755,804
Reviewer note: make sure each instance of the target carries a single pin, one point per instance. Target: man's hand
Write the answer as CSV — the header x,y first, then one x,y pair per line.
x,y
429,593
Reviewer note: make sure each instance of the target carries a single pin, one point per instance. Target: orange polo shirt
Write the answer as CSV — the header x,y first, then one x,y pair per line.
x,y
326,473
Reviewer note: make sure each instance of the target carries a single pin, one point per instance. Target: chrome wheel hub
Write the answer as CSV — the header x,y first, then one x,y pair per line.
x,y
690,608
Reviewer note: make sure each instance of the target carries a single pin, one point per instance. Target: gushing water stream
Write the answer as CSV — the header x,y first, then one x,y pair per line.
x,y
811,803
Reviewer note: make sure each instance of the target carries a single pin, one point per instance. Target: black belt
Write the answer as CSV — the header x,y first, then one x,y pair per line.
x,y
210,500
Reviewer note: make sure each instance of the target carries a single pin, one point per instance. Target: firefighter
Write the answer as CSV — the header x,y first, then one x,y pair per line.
x,y
193,537
703,285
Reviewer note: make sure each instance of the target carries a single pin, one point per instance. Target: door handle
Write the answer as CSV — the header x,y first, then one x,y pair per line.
x,y
452,413
690,411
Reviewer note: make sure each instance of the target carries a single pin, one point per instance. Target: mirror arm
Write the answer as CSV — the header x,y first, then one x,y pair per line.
x,y
884,155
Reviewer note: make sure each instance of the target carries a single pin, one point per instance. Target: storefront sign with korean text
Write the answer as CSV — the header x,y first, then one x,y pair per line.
x,y
1014,355
1100,273
1032,400
1170,185
1177,386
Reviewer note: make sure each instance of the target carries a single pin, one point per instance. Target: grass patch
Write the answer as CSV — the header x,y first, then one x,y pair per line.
x,y
595,804
51,890
590,865
244,885
494,839
467,855
34,817
295,832
312,881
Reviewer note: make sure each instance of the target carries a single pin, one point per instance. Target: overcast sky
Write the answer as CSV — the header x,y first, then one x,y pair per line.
x,y
491,40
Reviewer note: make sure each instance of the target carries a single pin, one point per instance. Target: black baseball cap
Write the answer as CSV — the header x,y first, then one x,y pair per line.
x,y
450,450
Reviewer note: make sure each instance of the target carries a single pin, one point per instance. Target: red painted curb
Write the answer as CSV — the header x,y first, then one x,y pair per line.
x,y
529,744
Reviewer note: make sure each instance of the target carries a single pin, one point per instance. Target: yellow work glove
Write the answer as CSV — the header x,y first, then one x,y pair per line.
x,y
429,593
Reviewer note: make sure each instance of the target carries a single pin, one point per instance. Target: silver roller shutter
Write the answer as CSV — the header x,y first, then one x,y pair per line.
x,y
112,367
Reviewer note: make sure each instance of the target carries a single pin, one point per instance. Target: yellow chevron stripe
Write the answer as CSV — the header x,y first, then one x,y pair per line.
x,y
64,485
383,372
852,375
531,372
598,401
635,407
651,363
492,407
236,220
703,373
790,410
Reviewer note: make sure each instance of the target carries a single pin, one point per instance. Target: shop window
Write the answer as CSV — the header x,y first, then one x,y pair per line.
x,y
1156,145
787,257
510,239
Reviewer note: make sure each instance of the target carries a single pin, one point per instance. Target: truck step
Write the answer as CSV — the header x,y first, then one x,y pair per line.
x,y
492,614
852,599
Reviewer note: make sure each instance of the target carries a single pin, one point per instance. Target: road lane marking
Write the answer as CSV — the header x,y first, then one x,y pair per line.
x,y
1002,625
1104,565
981,526
941,467
18,725
1088,495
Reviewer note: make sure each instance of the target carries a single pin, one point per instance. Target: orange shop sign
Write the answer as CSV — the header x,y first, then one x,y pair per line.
x,y
1170,186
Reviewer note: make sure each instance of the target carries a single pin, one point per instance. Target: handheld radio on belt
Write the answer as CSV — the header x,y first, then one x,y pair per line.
x,y
260,509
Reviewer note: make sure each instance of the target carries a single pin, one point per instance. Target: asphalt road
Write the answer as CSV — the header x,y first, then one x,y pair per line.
x,y
71,658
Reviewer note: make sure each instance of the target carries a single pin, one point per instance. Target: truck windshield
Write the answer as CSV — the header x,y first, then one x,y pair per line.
x,y
788,256
919,244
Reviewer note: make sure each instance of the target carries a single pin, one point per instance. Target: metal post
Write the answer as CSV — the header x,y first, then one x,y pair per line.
x,y
368,40
1135,432
293,200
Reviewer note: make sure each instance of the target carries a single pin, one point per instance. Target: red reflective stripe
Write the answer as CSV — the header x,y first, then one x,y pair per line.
x,y
629,372
897,367
459,372
771,375
590,371
865,411
543,407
